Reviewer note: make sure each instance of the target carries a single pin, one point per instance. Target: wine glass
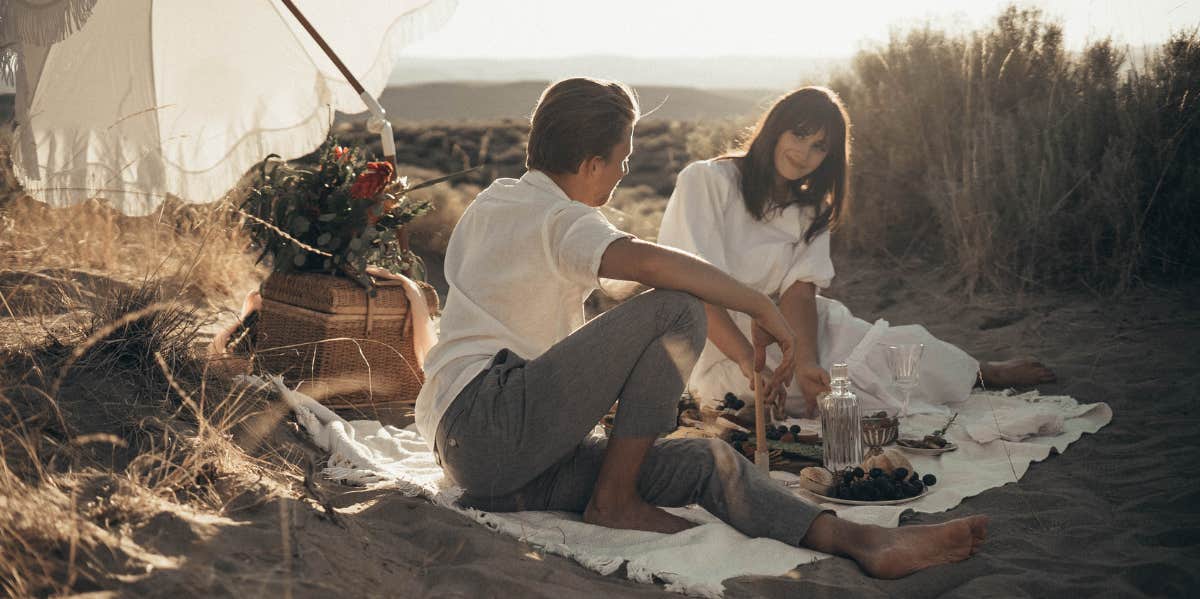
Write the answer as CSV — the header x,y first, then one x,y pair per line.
x,y
904,359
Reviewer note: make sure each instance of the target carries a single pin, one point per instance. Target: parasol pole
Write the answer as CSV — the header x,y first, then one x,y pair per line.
x,y
385,135
762,455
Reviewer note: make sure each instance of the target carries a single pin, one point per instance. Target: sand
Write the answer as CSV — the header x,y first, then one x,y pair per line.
x,y
1117,515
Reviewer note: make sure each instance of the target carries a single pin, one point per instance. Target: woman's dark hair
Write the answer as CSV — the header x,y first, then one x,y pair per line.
x,y
805,111
576,119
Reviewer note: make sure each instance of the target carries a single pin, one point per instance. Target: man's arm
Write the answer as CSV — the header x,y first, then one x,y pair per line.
x,y
662,267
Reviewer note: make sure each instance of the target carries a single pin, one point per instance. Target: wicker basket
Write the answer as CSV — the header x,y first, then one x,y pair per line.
x,y
352,352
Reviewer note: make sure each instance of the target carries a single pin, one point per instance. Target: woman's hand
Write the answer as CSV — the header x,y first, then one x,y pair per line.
x,y
813,381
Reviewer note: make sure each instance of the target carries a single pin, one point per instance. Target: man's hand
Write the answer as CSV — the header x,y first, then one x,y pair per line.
x,y
763,332
775,390
813,381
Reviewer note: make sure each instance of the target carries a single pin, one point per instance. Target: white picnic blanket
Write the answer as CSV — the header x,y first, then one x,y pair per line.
x,y
697,561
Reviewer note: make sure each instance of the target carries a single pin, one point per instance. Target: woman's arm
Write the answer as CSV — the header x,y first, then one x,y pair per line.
x,y
799,306
662,267
725,335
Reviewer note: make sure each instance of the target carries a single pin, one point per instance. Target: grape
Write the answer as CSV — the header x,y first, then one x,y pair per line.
x,y
876,472
900,473
929,480
794,429
858,472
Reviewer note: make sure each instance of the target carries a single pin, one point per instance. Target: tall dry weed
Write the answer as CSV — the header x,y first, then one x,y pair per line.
x,y
1022,165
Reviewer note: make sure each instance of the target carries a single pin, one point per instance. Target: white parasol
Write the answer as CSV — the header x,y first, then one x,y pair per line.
x,y
132,100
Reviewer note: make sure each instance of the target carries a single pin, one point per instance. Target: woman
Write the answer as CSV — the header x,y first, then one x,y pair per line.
x,y
764,215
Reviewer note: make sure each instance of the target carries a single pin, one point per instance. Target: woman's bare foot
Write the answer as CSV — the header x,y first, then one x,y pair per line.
x,y
1015,373
635,515
898,552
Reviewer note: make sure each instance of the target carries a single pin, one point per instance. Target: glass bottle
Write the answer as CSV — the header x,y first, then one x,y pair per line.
x,y
841,430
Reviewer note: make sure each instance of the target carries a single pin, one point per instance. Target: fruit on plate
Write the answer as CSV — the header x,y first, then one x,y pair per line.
x,y
857,485
817,479
887,461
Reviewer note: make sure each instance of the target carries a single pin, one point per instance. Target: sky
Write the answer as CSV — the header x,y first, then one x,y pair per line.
x,y
692,28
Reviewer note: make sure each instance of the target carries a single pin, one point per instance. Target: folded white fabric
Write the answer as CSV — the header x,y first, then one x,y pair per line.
x,y
1015,417
698,560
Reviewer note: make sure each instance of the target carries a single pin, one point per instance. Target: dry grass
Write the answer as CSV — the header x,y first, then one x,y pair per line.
x,y
1020,165
110,412
431,232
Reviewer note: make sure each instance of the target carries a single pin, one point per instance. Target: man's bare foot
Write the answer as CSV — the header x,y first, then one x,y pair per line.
x,y
1014,373
898,552
634,515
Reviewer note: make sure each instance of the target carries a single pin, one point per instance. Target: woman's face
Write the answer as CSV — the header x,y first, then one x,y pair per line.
x,y
797,156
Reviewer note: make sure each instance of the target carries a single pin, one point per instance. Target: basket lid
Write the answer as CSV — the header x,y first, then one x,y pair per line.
x,y
334,295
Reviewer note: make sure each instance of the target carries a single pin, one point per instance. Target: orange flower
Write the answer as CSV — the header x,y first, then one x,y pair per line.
x,y
340,153
380,208
372,181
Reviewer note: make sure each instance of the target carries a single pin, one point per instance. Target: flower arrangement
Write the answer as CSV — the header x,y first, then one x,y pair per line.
x,y
338,216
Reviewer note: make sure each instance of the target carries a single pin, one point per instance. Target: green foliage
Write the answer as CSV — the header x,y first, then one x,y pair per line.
x,y
327,218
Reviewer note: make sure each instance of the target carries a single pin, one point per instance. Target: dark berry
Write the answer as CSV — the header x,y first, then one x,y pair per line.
x,y
929,480
847,477
858,472
900,473
794,429
730,399
782,429
889,491
876,472
773,435
914,476
737,404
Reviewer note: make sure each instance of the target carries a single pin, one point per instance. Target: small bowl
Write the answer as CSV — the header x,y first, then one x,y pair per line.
x,y
879,432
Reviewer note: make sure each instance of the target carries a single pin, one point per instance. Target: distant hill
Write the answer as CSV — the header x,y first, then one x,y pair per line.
x,y
489,101
710,72
459,101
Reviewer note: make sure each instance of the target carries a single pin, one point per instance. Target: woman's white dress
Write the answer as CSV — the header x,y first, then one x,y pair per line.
x,y
707,217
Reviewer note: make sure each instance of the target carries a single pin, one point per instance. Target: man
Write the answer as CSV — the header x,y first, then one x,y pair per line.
x,y
518,380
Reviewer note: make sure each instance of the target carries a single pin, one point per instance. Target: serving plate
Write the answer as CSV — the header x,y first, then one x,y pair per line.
x,y
950,446
880,502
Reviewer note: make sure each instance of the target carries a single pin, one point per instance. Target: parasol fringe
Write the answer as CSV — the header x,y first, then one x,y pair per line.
x,y
158,173
42,23
8,66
